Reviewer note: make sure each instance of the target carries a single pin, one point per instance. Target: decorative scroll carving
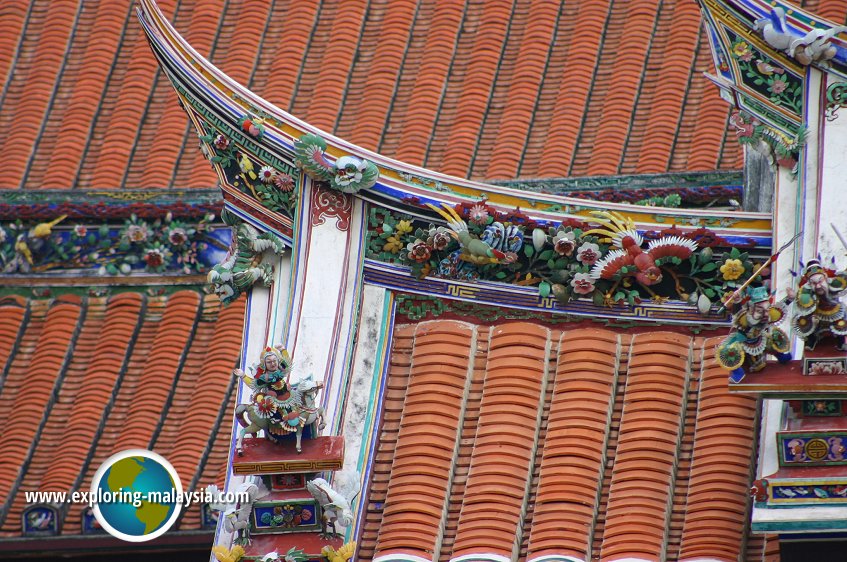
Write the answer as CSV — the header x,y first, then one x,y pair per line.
x,y
243,263
327,203
836,95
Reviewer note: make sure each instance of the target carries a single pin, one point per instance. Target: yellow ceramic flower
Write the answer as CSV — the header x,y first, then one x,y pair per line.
x,y
403,227
392,245
732,269
740,49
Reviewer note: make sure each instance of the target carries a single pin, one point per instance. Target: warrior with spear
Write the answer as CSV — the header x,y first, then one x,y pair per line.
x,y
754,331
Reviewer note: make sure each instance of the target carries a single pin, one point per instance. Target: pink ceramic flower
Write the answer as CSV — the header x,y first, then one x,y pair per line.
x,y
419,251
177,237
588,253
439,238
136,233
154,258
564,243
221,142
478,214
284,182
582,283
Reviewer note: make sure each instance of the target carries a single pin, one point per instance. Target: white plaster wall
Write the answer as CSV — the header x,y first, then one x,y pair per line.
x,y
310,338
786,223
340,354
277,297
364,373
800,515
810,174
768,452
833,197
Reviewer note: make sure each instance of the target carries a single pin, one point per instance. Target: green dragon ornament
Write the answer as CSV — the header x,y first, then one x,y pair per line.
x,y
243,266
348,174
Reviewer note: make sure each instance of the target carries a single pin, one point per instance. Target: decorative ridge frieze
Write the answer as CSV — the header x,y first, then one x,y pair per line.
x,y
110,246
626,182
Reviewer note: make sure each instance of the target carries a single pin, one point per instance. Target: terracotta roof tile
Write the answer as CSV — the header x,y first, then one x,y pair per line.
x,y
383,43
121,111
13,314
161,134
566,485
84,352
31,88
417,447
512,88
24,410
829,9
619,77
328,64
57,432
604,475
513,423
712,492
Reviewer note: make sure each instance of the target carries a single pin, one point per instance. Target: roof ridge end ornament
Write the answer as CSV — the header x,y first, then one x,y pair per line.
x,y
348,174
813,47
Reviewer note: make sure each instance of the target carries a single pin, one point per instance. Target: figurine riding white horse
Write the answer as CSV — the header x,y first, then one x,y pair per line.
x,y
287,410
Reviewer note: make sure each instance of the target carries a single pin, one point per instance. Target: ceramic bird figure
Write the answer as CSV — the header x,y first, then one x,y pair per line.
x,y
474,250
44,229
644,266
343,554
41,520
22,248
246,166
234,554
237,515
28,246
767,69
336,506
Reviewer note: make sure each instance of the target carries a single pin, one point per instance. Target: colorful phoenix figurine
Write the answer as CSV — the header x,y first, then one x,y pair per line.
x,y
627,258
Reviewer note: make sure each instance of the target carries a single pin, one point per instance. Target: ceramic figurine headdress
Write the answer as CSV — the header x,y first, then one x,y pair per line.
x,y
758,294
280,353
813,267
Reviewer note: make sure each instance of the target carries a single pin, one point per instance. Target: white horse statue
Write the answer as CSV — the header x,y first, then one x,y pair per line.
x,y
293,408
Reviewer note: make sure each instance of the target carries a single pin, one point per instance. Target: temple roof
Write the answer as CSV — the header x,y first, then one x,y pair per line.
x,y
640,448
80,382
487,90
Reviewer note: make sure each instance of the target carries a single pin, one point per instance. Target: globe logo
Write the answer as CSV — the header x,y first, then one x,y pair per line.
x,y
136,495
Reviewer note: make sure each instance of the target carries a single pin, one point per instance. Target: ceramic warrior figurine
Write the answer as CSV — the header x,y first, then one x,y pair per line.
x,y
754,335
273,400
818,312
277,407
